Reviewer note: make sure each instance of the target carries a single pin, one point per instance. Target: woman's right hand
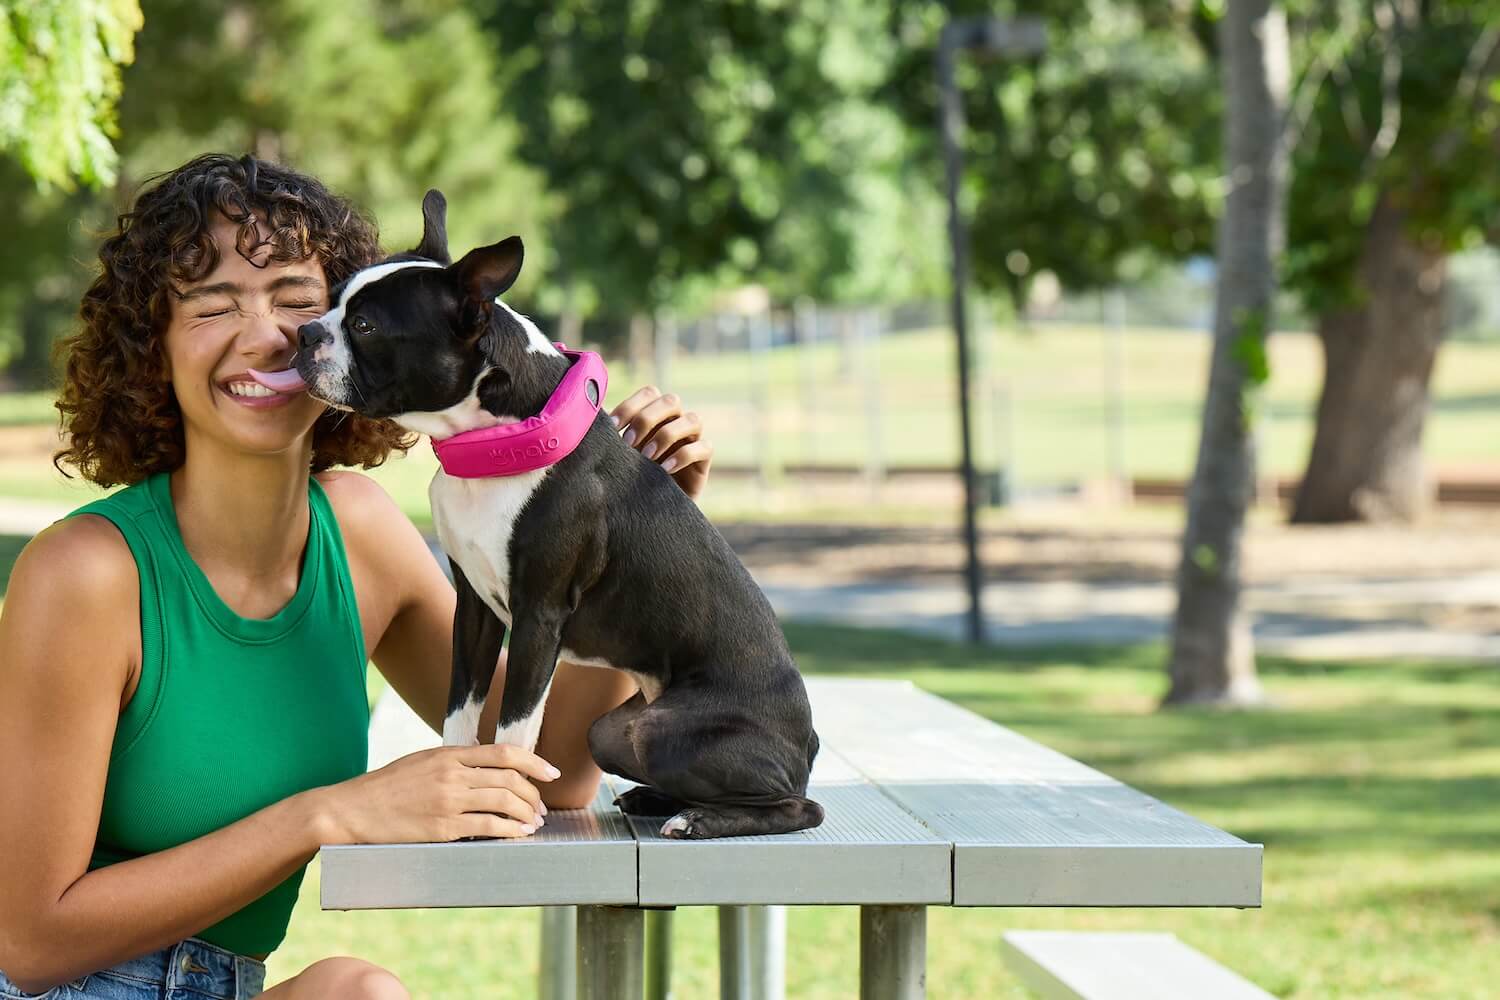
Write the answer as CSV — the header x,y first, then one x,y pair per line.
x,y
442,794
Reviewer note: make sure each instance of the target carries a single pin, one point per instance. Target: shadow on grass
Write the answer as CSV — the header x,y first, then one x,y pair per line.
x,y
841,649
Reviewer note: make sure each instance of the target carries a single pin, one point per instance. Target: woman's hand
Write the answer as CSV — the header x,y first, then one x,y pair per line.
x,y
441,794
656,425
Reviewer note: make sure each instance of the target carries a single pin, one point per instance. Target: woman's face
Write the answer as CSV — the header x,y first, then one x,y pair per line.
x,y
238,317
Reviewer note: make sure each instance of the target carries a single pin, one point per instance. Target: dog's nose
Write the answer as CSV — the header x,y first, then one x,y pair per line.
x,y
310,335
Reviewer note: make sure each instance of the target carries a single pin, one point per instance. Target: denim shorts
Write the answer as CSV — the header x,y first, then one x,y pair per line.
x,y
188,970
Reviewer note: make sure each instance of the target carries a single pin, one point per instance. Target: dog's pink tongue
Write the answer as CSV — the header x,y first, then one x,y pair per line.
x,y
282,381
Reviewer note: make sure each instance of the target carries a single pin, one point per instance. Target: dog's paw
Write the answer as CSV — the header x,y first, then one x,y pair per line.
x,y
686,825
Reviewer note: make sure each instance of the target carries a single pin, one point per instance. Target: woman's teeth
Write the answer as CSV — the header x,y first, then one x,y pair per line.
x,y
249,389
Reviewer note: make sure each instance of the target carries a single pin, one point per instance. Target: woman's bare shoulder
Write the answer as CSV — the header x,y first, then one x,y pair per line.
x,y
362,505
84,559
375,529
76,571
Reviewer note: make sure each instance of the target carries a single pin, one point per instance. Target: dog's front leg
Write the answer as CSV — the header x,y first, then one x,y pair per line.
x,y
536,637
477,638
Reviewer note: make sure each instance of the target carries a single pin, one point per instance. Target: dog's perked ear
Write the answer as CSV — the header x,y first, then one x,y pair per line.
x,y
434,245
488,271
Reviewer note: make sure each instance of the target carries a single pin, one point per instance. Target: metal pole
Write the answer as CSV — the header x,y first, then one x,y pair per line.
x,y
734,953
1116,364
892,952
609,953
867,330
658,954
559,972
664,349
768,952
752,953
759,329
951,123
806,321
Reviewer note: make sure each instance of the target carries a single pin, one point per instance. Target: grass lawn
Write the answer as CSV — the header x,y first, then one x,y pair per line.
x,y
1057,375
1375,788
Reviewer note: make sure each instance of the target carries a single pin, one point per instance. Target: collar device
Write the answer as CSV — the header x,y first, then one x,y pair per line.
x,y
536,442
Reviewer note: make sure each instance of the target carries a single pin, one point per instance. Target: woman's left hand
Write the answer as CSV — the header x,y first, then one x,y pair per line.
x,y
656,425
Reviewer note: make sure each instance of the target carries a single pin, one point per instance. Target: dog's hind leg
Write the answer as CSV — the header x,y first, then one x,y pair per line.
x,y
612,742
477,638
790,814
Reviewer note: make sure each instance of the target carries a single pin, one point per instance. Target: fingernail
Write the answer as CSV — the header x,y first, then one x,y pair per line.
x,y
649,450
543,807
553,772
540,821
630,436
614,420
528,829
669,465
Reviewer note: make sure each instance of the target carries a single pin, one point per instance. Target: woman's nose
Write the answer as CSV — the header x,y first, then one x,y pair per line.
x,y
264,334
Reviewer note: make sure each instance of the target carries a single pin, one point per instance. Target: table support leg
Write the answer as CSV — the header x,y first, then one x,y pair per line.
x,y
610,940
658,954
892,952
752,952
559,972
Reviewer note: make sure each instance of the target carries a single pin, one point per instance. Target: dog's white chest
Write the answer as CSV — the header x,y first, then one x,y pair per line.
x,y
474,520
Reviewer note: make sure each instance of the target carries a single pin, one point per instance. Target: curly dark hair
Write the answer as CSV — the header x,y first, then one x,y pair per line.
x,y
119,413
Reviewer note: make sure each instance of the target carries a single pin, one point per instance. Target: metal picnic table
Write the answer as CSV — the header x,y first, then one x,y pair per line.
x,y
927,805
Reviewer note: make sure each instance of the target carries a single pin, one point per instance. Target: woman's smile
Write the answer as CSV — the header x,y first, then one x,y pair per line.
x,y
246,392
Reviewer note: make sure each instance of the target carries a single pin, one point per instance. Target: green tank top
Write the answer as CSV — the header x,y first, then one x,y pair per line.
x,y
231,714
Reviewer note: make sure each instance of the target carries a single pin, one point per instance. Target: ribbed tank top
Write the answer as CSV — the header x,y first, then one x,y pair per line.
x,y
231,714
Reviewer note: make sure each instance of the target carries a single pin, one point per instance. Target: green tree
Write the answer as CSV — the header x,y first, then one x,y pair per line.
x,y
1090,161
59,79
381,99
1213,657
1394,172
678,137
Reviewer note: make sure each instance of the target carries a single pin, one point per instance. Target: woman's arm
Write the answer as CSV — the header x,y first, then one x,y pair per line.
x,y
415,654
61,687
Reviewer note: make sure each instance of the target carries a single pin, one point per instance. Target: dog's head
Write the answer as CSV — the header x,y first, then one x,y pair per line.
x,y
427,342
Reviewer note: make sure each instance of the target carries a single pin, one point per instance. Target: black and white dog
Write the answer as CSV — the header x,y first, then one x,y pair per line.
x,y
599,559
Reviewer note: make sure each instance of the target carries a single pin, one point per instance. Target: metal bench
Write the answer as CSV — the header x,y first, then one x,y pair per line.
x,y
928,804
1069,965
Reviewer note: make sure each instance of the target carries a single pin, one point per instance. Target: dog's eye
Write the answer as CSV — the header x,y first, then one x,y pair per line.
x,y
361,325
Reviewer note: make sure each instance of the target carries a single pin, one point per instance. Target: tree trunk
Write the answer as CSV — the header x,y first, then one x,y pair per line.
x,y
1213,657
1366,462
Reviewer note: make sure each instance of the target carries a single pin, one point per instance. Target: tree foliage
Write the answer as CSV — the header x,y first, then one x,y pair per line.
x,y
1095,157
380,99
59,80
1407,102
678,136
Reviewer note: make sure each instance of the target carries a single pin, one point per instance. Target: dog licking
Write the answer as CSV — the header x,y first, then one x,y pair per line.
x,y
573,543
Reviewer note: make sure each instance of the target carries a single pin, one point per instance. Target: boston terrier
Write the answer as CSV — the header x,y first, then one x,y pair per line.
x,y
591,554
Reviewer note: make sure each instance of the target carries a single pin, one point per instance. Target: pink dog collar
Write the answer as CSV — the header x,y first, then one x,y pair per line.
x,y
535,442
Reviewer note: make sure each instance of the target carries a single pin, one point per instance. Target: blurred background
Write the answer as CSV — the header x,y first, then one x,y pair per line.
x,y
744,202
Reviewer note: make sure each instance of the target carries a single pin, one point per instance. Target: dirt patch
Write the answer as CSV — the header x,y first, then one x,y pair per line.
x,y
1093,546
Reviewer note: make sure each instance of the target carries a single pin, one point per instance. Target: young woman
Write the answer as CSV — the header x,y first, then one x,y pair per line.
x,y
182,664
